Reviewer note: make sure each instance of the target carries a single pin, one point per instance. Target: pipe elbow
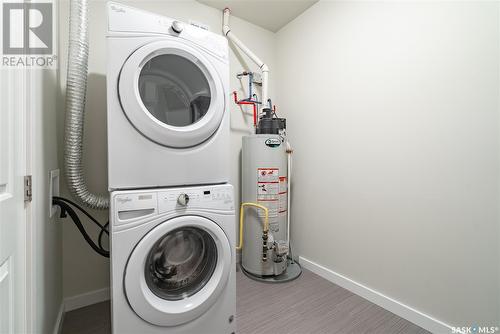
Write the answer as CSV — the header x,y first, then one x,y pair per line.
x,y
225,21
264,68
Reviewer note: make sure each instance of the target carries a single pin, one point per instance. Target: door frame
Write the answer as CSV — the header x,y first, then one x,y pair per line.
x,y
30,240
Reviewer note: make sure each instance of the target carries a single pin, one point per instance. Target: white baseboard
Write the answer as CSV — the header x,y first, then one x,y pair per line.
x,y
59,320
404,311
86,299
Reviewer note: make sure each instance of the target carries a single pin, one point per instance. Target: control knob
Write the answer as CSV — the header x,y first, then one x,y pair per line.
x,y
177,26
183,199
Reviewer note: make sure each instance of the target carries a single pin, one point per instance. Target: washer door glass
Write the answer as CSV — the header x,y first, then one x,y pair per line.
x,y
174,90
181,263
178,270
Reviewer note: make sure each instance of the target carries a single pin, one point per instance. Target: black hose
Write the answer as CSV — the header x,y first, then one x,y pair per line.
x,y
104,230
81,210
66,209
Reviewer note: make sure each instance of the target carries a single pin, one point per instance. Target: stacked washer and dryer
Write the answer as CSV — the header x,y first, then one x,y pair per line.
x,y
172,211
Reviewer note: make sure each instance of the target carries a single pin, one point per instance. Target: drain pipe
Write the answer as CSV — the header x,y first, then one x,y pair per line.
x,y
289,152
76,88
263,67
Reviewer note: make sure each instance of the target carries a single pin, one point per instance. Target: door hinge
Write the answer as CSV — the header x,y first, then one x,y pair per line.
x,y
28,190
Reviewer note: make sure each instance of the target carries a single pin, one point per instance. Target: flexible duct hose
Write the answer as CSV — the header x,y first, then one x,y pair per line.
x,y
76,87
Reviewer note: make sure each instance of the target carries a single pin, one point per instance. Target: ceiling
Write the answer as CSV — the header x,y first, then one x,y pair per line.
x,y
270,14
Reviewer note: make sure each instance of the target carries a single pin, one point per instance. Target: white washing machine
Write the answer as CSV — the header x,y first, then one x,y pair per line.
x,y
167,86
173,261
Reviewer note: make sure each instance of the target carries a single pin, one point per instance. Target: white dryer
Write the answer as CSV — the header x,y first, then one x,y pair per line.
x,y
167,85
173,261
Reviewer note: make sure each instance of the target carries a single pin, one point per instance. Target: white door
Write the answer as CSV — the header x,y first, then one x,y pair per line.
x,y
12,208
171,93
178,270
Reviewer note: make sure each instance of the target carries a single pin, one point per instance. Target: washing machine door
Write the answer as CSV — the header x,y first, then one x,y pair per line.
x,y
178,270
171,93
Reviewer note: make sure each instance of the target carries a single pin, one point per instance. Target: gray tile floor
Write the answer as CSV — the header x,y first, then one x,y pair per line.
x,y
307,305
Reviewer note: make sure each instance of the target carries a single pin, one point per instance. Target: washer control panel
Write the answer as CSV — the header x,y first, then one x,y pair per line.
x,y
129,206
210,197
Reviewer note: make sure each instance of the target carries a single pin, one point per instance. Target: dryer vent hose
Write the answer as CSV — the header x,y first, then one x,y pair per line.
x,y
76,87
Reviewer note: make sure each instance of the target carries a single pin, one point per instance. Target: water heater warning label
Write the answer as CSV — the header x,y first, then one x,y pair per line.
x,y
272,210
268,188
268,175
267,191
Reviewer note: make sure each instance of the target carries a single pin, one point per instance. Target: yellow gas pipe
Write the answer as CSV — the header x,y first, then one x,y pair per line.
x,y
265,230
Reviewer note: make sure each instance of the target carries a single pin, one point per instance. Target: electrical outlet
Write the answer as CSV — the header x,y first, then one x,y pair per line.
x,y
53,190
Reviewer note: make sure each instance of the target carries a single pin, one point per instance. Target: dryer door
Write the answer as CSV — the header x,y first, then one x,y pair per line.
x,y
171,93
178,270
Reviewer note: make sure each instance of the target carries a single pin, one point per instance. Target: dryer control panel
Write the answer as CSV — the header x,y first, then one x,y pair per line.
x,y
132,21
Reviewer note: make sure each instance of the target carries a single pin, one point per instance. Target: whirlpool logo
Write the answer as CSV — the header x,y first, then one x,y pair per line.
x,y
123,200
28,35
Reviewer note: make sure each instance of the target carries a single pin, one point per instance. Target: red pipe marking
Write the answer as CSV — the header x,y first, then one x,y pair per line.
x,y
235,95
254,115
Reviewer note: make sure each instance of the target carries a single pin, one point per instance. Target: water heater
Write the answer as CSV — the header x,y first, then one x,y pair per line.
x,y
266,162
264,181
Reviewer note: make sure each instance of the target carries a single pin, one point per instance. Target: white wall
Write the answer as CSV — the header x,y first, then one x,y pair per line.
x,y
393,110
83,270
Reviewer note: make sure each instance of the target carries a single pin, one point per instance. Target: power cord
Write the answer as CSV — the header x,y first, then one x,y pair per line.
x,y
66,210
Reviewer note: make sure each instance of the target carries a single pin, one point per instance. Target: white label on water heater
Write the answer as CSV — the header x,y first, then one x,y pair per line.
x,y
268,188
272,209
267,191
268,175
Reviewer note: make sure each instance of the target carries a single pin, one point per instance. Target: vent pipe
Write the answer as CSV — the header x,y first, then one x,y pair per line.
x,y
263,67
